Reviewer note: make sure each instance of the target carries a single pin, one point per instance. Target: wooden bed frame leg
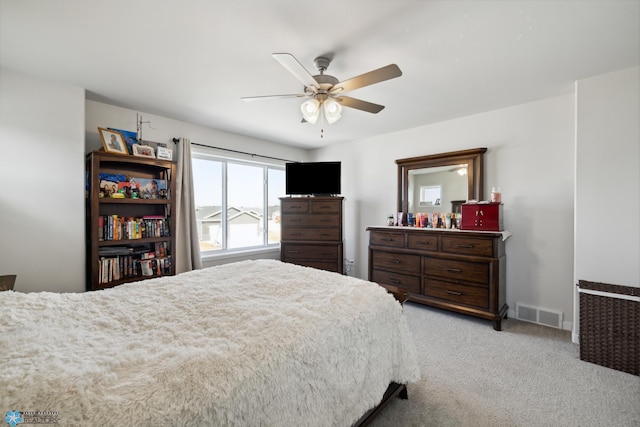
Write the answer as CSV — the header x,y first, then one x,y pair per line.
x,y
404,395
394,390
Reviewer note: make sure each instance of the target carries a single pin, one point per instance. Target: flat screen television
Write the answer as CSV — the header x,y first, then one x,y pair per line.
x,y
313,178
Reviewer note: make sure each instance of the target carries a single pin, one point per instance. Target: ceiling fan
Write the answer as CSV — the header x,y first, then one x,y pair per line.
x,y
325,92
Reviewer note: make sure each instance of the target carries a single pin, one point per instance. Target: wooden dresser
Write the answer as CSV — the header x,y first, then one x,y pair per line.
x,y
311,232
461,271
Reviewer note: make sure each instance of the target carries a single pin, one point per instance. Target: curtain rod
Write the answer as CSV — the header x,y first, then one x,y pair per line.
x,y
177,140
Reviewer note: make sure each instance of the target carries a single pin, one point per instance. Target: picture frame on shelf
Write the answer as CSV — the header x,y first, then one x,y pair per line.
x,y
165,153
143,151
130,138
113,141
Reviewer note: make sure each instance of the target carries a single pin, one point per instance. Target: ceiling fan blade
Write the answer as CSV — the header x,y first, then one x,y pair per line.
x,y
391,71
358,104
270,97
292,65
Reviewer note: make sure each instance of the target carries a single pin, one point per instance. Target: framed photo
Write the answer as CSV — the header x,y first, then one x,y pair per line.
x,y
149,188
143,151
113,141
130,138
165,153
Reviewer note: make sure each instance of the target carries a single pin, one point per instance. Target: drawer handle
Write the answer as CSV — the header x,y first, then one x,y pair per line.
x,y
325,220
454,270
453,292
424,243
386,239
394,281
396,261
465,246
325,234
327,253
293,252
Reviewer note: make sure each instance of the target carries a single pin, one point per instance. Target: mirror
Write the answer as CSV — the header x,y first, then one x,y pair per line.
x,y
440,182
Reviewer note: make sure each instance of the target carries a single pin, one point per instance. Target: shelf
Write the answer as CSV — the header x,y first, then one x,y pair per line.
x,y
127,280
125,242
135,201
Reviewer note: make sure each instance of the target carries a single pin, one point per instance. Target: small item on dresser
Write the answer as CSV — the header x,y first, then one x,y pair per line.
x,y
434,220
496,195
400,219
390,220
448,220
482,216
410,219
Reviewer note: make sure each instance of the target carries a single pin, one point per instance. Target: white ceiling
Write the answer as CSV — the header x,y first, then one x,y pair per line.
x,y
193,60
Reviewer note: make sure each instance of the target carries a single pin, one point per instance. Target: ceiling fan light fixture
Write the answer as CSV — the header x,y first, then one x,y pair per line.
x,y
332,110
310,110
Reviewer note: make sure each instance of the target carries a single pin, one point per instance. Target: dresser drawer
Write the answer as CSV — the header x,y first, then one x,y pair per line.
x,y
325,206
305,220
476,272
329,234
476,296
399,263
392,240
320,265
315,252
422,243
295,205
404,281
467,246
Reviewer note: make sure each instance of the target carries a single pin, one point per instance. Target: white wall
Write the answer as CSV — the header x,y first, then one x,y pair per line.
x,y
607,245
162,129
530,157
42,173
607,205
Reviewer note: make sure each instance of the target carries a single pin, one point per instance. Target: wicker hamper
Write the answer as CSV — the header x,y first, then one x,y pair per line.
x,y
610,325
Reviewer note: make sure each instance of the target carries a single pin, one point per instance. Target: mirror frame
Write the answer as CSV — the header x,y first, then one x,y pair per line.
x,y
474,159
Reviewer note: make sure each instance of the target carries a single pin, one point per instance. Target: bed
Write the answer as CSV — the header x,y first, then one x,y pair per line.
x,y
250,343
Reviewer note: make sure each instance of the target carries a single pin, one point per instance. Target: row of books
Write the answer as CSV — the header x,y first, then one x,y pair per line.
x,y
114,227
127,266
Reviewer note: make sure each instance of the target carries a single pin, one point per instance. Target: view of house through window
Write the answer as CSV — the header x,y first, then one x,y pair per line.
x,y
237,203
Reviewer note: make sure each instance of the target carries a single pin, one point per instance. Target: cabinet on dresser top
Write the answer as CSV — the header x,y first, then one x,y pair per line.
x,y
311,232
455,270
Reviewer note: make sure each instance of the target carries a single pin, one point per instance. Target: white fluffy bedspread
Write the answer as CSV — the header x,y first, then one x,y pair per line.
x,y
254,343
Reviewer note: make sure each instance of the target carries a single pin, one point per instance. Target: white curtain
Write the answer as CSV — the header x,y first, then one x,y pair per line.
x,y
187,253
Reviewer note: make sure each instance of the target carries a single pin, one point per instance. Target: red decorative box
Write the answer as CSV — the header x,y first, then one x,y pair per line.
x,y
482,216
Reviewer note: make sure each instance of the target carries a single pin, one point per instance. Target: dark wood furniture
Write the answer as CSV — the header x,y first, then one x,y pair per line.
x,y
311,232
454,270
108,269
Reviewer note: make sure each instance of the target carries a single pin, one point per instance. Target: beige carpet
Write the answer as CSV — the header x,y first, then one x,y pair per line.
x,y
525,375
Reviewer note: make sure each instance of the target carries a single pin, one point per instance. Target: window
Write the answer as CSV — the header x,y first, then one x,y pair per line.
x,y
430,195
237,203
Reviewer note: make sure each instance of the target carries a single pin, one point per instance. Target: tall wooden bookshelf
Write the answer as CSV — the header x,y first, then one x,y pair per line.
x,y
129,238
